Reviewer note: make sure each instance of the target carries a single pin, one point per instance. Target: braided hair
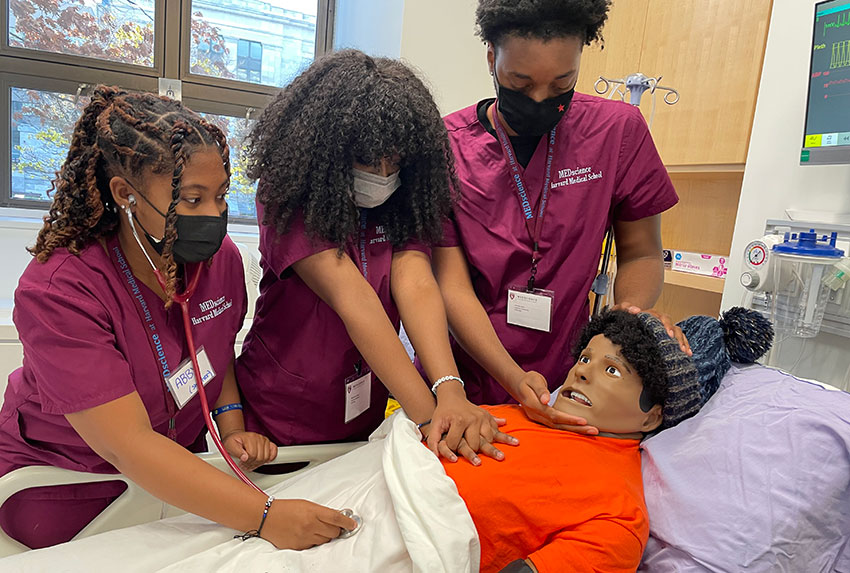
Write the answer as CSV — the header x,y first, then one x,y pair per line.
x,y
120,134
348,107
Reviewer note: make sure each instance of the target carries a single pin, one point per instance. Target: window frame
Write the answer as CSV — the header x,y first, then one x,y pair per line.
x,y
34,69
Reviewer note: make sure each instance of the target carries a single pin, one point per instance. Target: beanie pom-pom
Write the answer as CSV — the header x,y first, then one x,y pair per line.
x,y
747,333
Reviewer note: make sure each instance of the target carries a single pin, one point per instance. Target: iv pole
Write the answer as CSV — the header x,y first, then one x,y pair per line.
x,y
636,84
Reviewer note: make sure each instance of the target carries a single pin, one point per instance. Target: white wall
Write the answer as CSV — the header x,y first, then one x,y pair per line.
x,y
372,26
438,38
18,230
775,181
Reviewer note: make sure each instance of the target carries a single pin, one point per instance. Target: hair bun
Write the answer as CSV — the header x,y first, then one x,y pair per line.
x,y
747,334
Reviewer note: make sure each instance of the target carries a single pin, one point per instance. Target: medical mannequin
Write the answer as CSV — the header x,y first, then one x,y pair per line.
x,y
566,501
355,175
104,349
521,258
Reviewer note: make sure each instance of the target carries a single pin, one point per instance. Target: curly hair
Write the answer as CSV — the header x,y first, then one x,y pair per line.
x,y
637,345
543,19
120,134
348,107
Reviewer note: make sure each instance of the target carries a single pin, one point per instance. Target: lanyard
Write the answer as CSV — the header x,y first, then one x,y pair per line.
x,y
154,339
364,264
533,224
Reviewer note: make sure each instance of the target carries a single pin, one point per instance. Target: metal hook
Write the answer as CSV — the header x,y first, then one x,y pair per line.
x,y
670,91
80,89
604,81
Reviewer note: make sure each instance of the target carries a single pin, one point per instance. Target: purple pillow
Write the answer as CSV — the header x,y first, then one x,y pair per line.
x,y
758,480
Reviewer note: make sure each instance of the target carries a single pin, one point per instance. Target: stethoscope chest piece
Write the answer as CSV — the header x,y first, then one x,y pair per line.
x,y
350,514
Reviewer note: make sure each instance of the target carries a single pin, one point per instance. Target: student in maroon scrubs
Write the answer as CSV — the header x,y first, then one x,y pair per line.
x,y
103,345
544,172
355,178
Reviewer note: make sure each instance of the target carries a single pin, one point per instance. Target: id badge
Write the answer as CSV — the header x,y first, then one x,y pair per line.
x,y
358,392
530,309
183,384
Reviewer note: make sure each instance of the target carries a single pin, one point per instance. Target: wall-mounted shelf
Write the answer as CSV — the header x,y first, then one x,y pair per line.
x,y
707,168
690,280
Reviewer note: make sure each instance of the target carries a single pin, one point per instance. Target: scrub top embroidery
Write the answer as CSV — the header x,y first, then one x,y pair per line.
x,y
297,359
605,167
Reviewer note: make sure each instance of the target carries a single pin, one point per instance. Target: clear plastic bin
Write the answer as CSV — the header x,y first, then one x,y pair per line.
x,y
800,295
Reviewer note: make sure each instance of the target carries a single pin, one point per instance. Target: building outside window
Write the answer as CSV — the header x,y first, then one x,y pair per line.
x,y
239,53
249,61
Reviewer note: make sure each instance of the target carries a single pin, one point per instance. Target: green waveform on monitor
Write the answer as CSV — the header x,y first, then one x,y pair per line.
x,y
840,55
843,19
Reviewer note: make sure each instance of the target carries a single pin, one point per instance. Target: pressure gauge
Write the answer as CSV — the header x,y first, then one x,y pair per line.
x,y
755,254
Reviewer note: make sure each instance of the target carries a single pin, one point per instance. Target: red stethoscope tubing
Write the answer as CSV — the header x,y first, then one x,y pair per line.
x,y
183,301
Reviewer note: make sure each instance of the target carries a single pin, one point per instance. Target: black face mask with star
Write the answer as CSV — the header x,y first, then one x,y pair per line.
x,y
528,117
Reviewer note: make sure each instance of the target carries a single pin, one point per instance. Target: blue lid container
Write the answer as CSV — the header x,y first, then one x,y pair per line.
x,y
809,245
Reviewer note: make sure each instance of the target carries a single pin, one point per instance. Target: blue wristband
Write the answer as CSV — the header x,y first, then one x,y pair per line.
x,y
227,408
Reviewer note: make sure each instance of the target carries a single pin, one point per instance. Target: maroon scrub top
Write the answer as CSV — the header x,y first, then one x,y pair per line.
x,y
605,168
86,344
298,355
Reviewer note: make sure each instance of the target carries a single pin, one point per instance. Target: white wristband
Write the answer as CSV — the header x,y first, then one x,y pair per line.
x,y
445,379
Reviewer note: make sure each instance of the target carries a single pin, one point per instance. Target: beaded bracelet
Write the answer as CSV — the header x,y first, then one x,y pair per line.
x,y
227,408
256,532
425,423
445,379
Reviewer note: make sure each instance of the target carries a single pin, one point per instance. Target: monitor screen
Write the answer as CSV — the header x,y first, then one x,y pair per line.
x,y
827,134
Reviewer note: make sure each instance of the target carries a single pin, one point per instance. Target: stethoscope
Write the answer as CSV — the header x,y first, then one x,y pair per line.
x,y
182,299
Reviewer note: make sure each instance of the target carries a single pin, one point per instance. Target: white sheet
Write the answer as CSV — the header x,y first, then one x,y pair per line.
x,y
413,520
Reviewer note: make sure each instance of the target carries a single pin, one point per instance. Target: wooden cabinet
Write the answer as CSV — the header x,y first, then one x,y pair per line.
x,y
711,52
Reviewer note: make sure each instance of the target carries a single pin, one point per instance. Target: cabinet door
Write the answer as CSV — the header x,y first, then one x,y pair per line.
x,y
623,33
711,51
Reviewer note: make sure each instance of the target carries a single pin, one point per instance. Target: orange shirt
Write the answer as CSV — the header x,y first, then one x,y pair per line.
x,y
566,501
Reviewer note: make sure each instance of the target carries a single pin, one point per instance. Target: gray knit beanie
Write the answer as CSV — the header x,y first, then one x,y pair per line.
x,y
741,335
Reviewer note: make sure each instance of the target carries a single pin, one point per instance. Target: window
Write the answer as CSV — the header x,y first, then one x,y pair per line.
x,y
113,30
42,123
240,198
241,39
249,61
236,55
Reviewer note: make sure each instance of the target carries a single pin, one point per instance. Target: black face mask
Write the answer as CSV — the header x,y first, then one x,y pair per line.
x,y
528,117
199,237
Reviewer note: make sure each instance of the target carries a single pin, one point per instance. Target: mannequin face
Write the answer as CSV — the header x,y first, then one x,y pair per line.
x,y
605,389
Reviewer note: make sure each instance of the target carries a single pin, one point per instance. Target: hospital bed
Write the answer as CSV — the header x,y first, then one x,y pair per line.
x,y
136,506
759,480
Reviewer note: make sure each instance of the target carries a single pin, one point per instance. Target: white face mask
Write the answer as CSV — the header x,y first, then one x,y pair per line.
x,y
371,190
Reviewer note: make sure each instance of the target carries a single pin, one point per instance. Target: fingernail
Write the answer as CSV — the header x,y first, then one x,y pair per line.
x,y
476,461
514,441
500,456
592,432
